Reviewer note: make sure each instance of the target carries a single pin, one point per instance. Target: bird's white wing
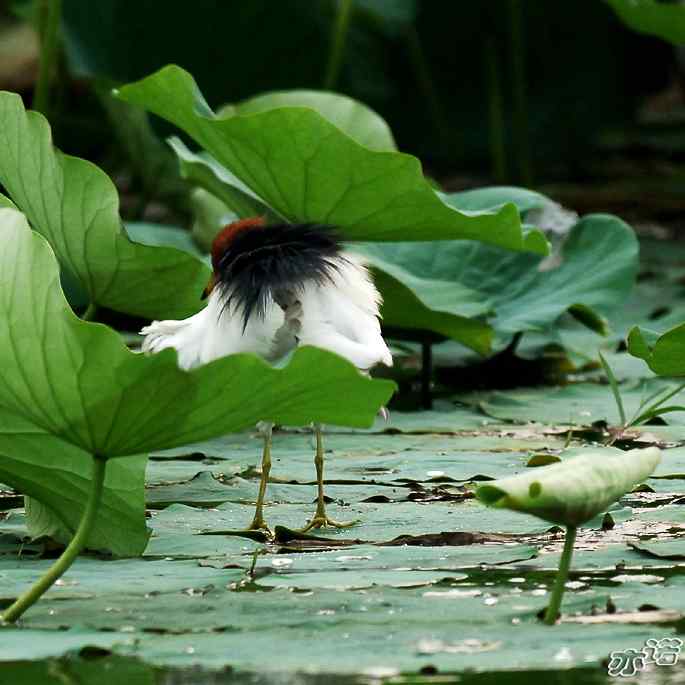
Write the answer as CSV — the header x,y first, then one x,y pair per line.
x,y
185,336
342,316
217,332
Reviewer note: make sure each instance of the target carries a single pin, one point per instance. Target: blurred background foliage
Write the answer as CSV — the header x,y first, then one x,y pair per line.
x,y
510,91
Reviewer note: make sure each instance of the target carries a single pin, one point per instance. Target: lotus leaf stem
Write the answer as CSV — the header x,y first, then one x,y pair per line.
x,y
91,311
562,577
78,542
50,14
340,26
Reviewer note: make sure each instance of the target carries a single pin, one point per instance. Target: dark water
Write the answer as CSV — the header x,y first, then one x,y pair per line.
x,y
110,670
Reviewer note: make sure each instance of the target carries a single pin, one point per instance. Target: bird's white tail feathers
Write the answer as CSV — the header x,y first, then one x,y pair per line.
x,y
344,318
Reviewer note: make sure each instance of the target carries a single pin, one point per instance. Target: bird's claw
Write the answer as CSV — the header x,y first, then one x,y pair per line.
x,y
384,414
324,521
259,523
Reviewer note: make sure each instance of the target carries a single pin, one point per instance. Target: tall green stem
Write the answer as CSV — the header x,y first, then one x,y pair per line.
x,y
50,12
338,38
562,577
498,157
78,542
90,312
427,88
518,64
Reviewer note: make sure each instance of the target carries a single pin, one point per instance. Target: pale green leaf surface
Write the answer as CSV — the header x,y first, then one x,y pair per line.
x,y
496,196
579,404
24,645
575,490
350,116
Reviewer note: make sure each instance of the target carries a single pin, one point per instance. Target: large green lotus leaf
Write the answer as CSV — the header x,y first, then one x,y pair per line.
x,y
468,279
78,381
306,169
354,118
428,304
75,206
575,490
209,212
492,197
204,171
665,354
663,19
160,235
55,475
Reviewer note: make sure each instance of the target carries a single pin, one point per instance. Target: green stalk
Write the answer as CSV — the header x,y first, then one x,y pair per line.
x,y
498,157
338,38
427,88
613,384
518,65
562,577
78,542
50,12
91,311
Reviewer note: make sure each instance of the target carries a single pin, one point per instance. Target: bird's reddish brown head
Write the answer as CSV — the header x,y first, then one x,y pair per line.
x,y
223,240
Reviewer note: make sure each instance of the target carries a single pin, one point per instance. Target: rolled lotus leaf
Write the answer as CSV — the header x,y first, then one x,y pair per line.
x,y
575,490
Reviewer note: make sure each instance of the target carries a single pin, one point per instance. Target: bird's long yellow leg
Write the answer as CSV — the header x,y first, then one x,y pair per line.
x,y
321,519
258,522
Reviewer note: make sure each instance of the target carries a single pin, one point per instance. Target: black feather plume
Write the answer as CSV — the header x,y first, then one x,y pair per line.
x,y
266,262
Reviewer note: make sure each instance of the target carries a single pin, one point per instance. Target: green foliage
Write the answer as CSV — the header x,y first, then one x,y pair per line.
x,y
72,390
663,19
650,407
350,116
306,169
575,490
75,206
56,476
87,389
450,281
450,288
665,353
571,493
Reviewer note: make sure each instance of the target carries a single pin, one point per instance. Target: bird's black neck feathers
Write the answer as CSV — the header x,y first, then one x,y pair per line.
x,y
269,262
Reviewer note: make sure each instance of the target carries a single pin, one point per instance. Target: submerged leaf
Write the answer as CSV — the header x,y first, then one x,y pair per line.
x,y
306,168
572,492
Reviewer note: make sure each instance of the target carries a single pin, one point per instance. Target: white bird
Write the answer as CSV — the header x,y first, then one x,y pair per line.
x,y
274,287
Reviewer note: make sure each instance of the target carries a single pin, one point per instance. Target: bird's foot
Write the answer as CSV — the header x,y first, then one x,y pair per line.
x,y
259,524
324,521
